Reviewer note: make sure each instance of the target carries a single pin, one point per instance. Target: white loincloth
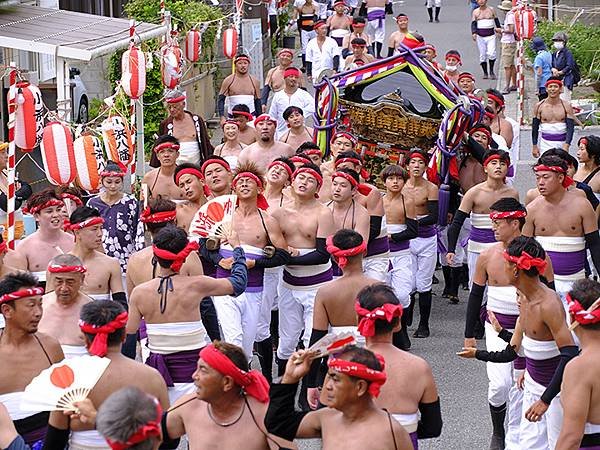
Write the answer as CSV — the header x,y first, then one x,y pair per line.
x,y
551,135
232,100
189,152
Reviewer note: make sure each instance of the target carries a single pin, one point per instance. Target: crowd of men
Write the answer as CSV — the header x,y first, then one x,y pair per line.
x,y
210,339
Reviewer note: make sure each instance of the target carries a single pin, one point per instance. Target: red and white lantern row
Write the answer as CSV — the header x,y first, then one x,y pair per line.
x,y
57,153
230,42
193,45
524,22
29,124
133,72
89,160
171,65
118,139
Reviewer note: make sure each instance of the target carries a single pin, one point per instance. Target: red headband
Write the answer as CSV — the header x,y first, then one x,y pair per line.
x,y
253,382
344,135
583,141
375,377
100,343
342,255
285,50
300,159
177,258
346,176
489,115
57,268
363,172
72,197
166,145
22,293
549,82
416,155
495,98
494,157
221,162
261,201
313,151
311,172
466,75
231,122
189,171
582,315
366,324
358,45
48,204
482,130
358,24
281,164
498,215
319,24
145,431
242,58
86,223
158,217
455,56
242,113
568,181
291,72
264,117
526,261
106,173
179,99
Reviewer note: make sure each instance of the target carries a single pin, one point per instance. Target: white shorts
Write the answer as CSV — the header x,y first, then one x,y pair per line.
x,y
296,309
377,267
401,275
424,256
487,47
499,374
269,302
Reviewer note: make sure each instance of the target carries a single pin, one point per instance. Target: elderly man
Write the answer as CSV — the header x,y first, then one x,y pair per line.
x,y
274,78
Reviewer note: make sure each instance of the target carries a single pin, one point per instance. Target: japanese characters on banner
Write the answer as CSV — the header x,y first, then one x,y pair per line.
x,y
118,139
29,124
89,160
57,153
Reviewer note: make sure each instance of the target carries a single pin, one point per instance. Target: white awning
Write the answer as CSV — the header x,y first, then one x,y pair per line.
x,y
68,34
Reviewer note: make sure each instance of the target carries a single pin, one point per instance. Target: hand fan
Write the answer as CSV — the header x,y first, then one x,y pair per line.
x,y
214,218
331,343
59,386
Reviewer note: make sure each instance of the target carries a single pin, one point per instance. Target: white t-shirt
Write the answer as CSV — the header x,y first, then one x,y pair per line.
x,y
321,58
508,38
281,100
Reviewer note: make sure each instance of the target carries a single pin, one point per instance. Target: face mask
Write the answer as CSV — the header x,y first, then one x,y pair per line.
x,y
559,45
451,68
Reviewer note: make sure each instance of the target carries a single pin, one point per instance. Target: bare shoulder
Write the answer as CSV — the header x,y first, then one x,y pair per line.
x,y
431,187
227,79
51,346
149,175
531,195
511,192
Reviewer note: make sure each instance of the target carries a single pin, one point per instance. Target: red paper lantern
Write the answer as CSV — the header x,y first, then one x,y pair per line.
x,y
524,23
171,65
89,160
118,140
133,72
193,45
57,153
230,42
29,124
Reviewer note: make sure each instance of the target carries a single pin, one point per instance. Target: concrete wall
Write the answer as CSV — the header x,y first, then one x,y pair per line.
x,y
94,75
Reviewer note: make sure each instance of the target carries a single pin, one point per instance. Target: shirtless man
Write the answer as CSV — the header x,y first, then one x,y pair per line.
x,y
508,218
190,180
241,114
274,78
554,118
266,149
466,82
579,390
239,88
261,238
121,372
423,248
231,147
278,178
476,203
451,69
410,388
160,180
402,226
63,305
225,389
375,11
23,351
358,32
298,133
500,125
398,36
359,56
564,224
334,302
339,23
588,153
484,27
354,379
341,142
547,343
305,223
217,176
49,239
175,332
313,151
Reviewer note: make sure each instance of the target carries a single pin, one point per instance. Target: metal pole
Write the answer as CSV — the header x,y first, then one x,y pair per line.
x,y
139,138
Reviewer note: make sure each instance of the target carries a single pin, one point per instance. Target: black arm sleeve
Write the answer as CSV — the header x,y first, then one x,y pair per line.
x,y
473,26
497,22
318,256
570,129
432,214
535,130
336,62
363,9
167,442
20,196
477,150
309,68
567,353
280,258
264,96
592,242
390,51
212,257
239,272
389,8
129,346
345,52
507,355
454,229
282,419
550,284
56,438
505,335
121,298
430,424
312,379
374,226
411,232
257,107
473,308
221,105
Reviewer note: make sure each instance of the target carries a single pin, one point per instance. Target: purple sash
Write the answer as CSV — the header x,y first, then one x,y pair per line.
x,y
519,363
143,332
511,171
482,235
555,137
310,280
339,40
33,428
507,321
378,246
590,442
567,263
542,370
427,231
208,268
175,367
378,15
413,439
256,275
485,32
399,246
